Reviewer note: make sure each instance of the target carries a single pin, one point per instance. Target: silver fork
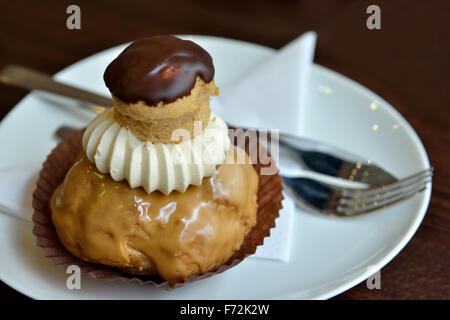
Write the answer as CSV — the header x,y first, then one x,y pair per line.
x,y
341,201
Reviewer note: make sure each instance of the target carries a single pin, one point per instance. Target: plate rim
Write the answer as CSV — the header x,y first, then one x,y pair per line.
x,y
406,237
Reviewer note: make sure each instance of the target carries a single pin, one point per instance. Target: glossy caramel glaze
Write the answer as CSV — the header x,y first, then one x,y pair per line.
x,y
158,69
104,221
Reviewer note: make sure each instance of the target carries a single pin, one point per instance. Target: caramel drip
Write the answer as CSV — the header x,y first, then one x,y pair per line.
x,y
158,69
104,221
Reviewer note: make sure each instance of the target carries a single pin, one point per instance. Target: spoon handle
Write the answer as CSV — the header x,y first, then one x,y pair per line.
x,y
34,80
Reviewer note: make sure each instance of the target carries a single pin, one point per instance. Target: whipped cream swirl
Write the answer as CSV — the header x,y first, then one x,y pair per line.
x,y
155,166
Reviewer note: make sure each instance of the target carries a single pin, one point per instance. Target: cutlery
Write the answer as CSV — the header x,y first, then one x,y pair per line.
x,y
341,201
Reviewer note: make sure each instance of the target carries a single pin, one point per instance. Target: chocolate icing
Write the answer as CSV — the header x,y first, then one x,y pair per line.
x,y
158,69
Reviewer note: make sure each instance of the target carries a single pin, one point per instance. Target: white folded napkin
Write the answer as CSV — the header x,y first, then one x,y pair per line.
x,y
270,96
278,245
16,190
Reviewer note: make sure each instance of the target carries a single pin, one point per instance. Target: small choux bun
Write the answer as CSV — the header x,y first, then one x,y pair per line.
x,y
156,123
160,84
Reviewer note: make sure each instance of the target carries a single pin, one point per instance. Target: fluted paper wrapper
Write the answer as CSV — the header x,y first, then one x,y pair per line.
x,y
53,173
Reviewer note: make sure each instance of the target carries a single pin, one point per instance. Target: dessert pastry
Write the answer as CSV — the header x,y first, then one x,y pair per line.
x,y
157,189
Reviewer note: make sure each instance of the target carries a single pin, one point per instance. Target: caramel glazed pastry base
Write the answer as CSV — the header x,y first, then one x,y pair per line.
x,y
103,221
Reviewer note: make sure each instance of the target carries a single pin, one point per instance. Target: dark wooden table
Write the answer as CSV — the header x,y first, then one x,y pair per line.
x,y
407,62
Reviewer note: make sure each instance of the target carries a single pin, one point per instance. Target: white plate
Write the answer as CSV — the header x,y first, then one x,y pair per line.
x,y
329,255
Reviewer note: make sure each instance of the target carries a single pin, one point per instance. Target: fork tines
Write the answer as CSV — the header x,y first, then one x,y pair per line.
x,y
346,201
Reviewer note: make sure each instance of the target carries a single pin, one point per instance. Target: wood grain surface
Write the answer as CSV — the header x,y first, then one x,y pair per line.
x,y
406,62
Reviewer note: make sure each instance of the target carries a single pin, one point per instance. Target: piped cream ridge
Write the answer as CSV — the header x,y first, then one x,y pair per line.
x,y
155,166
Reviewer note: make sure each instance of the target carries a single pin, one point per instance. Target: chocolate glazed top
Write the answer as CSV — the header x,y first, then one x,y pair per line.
x,y
155,69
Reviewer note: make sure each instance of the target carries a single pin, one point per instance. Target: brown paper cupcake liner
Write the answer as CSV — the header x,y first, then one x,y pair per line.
x,y
53,173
